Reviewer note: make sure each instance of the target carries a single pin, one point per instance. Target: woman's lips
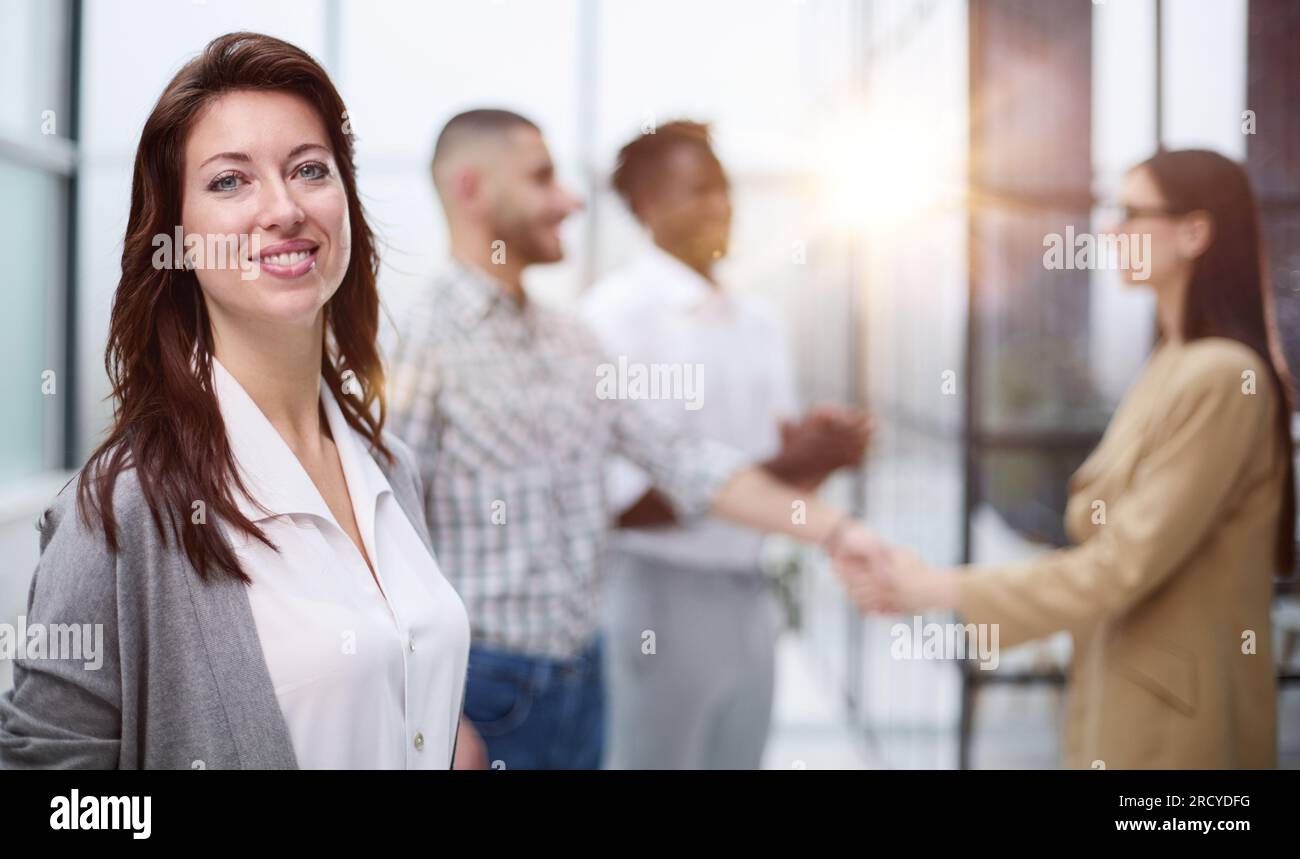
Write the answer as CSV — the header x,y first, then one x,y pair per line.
x,y
289,264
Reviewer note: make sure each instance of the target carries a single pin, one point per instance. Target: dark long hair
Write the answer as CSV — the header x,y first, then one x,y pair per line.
x,y
1229,295
167,422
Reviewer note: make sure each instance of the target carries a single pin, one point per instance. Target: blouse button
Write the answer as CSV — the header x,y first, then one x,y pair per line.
x,y
410,642
419,741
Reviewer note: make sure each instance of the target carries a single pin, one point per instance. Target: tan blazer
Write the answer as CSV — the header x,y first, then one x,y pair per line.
x,y
1167,589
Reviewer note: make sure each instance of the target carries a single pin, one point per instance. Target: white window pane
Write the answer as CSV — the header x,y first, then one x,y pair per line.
x,y
1205,76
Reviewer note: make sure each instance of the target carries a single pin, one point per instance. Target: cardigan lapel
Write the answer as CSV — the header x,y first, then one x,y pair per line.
x,y
257,725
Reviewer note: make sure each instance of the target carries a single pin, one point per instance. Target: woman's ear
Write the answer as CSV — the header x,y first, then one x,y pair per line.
x,y
1195,234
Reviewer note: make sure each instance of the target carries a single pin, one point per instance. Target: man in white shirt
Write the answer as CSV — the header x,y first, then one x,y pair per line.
x,y
692,620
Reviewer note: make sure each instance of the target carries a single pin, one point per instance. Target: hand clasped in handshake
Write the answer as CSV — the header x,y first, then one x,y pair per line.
x,y
882,579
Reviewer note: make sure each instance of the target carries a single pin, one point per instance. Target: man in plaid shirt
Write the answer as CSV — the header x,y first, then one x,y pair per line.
x,y
498,397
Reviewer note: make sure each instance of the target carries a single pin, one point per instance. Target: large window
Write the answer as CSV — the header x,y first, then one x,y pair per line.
x,y
995,375
37,163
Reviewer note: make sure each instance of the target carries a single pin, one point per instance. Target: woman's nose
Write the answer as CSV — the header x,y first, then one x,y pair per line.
x,y
278,206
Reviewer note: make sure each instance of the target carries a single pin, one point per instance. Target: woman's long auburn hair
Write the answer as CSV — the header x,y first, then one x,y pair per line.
x,y
1229,294
167,422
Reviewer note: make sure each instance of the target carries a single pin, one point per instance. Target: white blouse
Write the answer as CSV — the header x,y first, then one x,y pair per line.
x,y
367,679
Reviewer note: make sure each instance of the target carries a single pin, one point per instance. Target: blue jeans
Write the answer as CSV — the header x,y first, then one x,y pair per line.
x,y
535,712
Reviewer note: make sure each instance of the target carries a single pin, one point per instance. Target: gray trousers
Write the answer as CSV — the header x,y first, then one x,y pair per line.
x,y
691,656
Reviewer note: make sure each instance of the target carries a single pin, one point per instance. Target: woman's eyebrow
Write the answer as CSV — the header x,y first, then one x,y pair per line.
x,y
305,147
231,156
243,156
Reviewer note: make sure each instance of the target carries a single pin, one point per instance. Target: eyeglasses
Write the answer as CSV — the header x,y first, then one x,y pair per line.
x,y
1123,213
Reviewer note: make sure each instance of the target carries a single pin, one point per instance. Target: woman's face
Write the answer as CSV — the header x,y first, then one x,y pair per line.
x,y
1175,240
259,180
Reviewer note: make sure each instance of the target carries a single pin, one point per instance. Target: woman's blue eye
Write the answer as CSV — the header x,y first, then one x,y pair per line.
x,y
228,182
313,171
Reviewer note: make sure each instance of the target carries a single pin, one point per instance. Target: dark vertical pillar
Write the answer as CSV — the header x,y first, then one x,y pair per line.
x,y
1030,174
1273,152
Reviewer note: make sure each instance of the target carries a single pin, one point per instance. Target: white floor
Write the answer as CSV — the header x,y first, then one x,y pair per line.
x,y
809,727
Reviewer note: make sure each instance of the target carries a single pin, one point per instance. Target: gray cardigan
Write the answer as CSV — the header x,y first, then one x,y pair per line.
x,y
184,683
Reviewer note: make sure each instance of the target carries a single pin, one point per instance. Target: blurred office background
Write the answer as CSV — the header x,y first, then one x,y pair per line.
x,y
896,164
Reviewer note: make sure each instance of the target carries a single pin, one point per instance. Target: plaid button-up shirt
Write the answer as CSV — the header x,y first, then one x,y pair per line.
x,y
499,403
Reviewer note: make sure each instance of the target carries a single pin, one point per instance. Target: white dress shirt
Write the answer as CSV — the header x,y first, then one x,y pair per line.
x,y
367,679
660,310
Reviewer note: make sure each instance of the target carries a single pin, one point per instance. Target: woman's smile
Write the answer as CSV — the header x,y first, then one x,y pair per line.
x,y
288,260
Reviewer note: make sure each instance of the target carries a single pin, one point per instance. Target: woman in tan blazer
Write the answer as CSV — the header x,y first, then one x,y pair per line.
x,y
1180,518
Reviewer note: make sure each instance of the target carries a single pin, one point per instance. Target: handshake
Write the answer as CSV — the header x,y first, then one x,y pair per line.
x,y
882,579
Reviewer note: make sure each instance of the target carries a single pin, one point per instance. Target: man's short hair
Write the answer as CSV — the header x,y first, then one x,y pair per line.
x,y
475,124
640,161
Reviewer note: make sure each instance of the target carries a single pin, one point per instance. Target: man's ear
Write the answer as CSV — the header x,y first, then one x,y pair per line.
x,y
466,184
1196,233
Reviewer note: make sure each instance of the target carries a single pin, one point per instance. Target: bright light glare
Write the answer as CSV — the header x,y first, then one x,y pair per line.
x,y
881,168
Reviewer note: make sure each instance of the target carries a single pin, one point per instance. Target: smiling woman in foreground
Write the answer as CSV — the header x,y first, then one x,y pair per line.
x,y
248,537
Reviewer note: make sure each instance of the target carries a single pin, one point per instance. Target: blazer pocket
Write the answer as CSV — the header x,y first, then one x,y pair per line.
x,y
1166,671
